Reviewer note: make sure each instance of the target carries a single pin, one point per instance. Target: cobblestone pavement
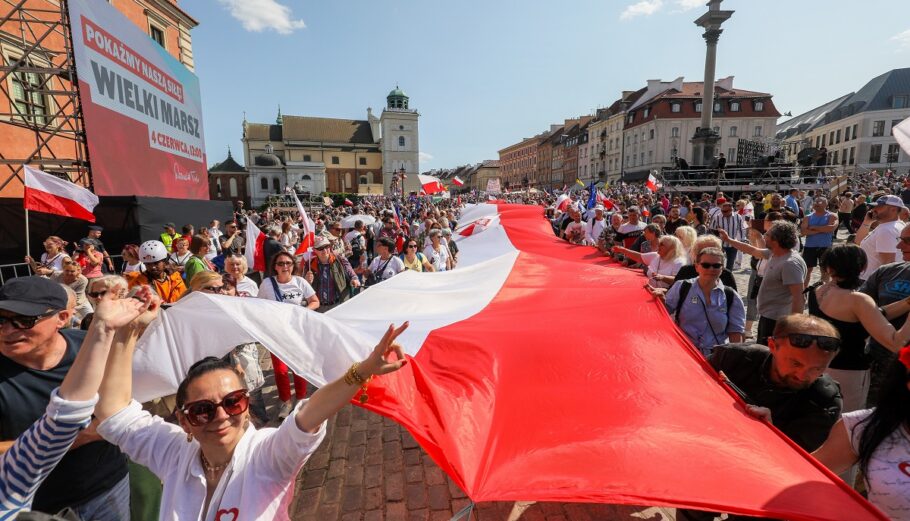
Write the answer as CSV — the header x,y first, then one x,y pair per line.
x,y
370,469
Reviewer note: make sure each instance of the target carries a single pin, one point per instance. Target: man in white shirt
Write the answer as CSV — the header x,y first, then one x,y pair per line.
x,y
595,226
880,244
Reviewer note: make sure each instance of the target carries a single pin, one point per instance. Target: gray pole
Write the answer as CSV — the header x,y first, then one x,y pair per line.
x,y
705,138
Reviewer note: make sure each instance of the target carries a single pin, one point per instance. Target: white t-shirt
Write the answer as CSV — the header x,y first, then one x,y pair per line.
x,y
658,266
437,258
593,229
56,262
248,286
297,291
883,239
129,268
888,480
393,266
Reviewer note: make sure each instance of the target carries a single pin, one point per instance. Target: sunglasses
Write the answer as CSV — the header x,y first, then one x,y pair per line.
x,y
25,322
214,289
412,245
285,263
203,411
96,294
825,343
711,265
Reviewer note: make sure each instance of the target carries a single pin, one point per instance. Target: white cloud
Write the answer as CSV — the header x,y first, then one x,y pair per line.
x,y
688,5
262,15
642,8
424,157
902,39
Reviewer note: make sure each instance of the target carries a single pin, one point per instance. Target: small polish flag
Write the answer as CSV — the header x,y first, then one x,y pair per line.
x,y
652,183
255,247
308,233
49,194
457,181
347,202
563,202
430,185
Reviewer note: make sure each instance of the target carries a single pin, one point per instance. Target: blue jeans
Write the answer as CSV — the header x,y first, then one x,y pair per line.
x,y
113,505
731,257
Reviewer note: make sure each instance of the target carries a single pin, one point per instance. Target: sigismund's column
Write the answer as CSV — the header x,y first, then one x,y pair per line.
x,y
705,139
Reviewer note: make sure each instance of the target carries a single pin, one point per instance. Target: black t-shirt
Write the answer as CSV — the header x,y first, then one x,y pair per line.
x,y
84,473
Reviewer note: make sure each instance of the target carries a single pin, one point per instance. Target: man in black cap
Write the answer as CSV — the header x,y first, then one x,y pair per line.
x,y
35,354
170,233
94,235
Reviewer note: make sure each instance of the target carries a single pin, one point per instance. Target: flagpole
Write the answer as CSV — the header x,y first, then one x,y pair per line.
x,y
28,250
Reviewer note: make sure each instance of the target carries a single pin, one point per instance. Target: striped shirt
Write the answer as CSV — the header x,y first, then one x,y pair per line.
x,y
733,224
37,451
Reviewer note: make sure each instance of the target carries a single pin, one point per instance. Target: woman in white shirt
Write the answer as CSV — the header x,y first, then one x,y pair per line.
x,y
437,253
52,259
662,264
181,254
879,440
131,260
289,288
385,265
237,266
215,465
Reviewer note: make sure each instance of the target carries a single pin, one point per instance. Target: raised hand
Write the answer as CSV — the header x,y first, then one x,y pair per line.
x,y
120,312
378,362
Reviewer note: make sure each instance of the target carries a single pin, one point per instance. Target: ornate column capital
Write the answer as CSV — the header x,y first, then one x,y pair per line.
x,y
712,35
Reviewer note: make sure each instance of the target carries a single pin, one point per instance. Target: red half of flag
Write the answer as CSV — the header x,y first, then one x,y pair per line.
x,y
255,247
49,194
430,185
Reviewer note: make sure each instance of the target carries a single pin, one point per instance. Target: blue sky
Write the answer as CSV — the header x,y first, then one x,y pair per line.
x,y
485,74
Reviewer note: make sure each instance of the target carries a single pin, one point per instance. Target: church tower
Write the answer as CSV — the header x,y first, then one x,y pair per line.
x,y
399,143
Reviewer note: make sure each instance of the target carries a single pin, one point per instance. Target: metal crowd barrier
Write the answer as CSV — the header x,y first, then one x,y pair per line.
x,y
22,269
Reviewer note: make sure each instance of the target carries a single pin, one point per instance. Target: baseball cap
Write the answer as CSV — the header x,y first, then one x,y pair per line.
x,y
721,200
95,228
890,200
321,242
170,225
32,296
599,207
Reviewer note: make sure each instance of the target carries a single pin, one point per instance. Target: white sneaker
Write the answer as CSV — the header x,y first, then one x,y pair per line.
x,y
285,410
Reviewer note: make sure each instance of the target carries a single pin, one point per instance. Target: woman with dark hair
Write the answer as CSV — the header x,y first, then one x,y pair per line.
x,y
286,286
386,264
856,316
199,247
699,217
879,440
214,464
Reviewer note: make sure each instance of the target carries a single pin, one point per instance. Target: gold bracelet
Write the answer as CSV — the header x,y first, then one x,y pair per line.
x,y
352,377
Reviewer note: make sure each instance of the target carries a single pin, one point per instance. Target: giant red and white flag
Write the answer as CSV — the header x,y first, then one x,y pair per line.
x,y
430,185
255,246
308,229
49,194
536,373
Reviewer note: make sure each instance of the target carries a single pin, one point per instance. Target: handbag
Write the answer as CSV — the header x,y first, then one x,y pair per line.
x,y
374,278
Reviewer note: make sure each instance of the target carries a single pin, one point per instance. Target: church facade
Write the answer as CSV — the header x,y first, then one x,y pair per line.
x,y
374,155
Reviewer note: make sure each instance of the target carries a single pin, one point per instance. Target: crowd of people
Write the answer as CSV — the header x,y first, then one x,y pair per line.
x,y
821,357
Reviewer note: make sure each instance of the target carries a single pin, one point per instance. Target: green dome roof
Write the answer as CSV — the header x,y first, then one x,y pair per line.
x,y
396,93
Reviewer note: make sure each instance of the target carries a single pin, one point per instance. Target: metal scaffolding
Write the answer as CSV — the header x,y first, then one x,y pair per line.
x,y
40,91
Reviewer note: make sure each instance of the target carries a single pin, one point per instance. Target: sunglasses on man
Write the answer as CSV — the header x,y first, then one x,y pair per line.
x,y
201,412
803,341
24,321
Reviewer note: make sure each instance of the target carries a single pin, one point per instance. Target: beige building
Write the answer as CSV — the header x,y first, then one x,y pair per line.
x,y
855,130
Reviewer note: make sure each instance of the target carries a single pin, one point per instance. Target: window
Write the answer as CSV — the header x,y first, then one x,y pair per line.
x,y
716,130
363,179
731,155
757,132
363,161
674,132
846,134
759,106
837,136
824,139
642,158
734,106
875,154
894,152
674,107
899,102
28,101
401,141
651,134
834,159
733,130
306,177
697,106
232,186
307,158
717,107
157,34
817,141
831,138
335,160
264,183
347,180
647,112
878,128
852,155
276,184
894,123
854,134
631,117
